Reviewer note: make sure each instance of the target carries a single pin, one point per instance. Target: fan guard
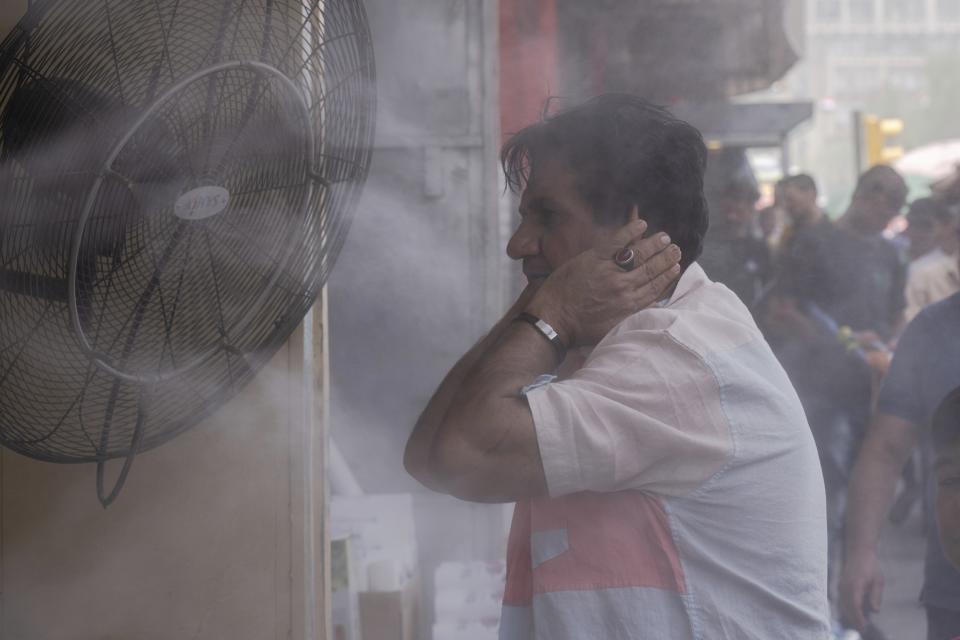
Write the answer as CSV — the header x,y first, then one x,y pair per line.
x,y
177,178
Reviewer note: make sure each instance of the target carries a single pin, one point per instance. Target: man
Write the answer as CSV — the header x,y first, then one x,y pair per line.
x,y
926,366
799,194
945,430
848,269
771,220
668,487
735,256
808,241
933,274
797,316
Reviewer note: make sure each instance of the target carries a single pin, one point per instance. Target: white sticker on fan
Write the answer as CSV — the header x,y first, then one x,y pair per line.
x,y
201,203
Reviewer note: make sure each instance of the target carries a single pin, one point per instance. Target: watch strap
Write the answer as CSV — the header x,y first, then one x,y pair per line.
x,y
543,328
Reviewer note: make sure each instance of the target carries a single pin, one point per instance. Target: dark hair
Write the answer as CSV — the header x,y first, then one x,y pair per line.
x,y
945,426
929,208
883,180
741,191
801,181
625,152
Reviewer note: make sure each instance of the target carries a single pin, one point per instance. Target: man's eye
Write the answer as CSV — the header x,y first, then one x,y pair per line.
x,y
952,482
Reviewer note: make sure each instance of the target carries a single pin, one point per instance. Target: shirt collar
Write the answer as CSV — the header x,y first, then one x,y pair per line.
x,y
693,278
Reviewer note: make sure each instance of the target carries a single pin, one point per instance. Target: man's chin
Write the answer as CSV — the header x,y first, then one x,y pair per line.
x,y
536,280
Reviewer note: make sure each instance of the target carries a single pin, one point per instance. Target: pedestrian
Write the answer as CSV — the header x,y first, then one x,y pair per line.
x,y
771,220
735,255
669,487
848,269
925,367
933,273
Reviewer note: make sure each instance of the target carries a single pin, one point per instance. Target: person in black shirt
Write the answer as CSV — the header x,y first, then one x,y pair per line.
x,y
848,269
734,254
834,275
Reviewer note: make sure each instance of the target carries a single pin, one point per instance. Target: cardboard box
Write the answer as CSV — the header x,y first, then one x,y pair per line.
x,y
381,529
390,615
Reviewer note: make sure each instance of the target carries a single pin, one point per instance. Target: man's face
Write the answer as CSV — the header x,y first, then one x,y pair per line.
x,y
881,208
924,234
798,203
556,223
738,212
947,473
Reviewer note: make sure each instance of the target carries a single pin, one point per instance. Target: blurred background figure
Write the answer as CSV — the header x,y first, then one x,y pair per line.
x,y
846,272
772,220
837,301
737,255
925,368
929,228
933,273
798,194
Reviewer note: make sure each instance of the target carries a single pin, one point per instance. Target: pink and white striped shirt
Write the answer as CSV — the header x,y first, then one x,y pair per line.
x,y
686,498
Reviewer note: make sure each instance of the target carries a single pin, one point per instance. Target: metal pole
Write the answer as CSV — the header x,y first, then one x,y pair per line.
x,y
785,159
857,142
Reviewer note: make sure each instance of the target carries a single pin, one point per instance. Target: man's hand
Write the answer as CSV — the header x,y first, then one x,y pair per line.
x,y
861,589
589,295
888,444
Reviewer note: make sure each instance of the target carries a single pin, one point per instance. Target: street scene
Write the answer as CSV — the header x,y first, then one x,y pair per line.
x,y
480,319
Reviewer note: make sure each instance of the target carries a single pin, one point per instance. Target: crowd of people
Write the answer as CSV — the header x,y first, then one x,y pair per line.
x,y
867,325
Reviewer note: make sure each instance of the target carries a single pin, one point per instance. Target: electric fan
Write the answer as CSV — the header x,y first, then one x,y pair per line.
x,y
176,180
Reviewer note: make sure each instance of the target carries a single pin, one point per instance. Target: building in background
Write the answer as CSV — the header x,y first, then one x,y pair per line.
x,y
893,58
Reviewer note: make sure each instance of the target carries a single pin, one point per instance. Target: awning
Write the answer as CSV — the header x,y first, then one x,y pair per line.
x,y
679,49
745,125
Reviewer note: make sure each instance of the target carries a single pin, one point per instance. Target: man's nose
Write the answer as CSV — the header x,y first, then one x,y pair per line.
x,y
525,243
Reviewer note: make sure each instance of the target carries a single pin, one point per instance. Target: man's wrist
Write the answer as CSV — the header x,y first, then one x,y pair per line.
x,y
546,331
554,318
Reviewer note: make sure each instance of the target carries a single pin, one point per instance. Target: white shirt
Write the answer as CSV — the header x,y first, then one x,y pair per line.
x,y
931,278
686,498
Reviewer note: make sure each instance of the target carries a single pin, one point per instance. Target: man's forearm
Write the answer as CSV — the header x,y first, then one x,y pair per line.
x,y
486,448
874,480
416,456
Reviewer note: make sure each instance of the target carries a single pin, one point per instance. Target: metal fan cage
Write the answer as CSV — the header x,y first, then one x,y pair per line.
x,y
176,180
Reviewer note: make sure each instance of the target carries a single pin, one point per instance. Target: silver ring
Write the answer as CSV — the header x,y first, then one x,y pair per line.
x,y
625,259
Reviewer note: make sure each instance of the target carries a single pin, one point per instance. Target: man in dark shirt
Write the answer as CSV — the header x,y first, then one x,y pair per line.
x,y
734,255
833,275
925,368
848,269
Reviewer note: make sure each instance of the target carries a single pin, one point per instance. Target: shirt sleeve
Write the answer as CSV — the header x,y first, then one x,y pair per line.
x,y
900,395
641,414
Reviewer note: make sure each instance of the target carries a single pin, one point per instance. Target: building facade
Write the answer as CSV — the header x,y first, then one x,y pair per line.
x,y
895,58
